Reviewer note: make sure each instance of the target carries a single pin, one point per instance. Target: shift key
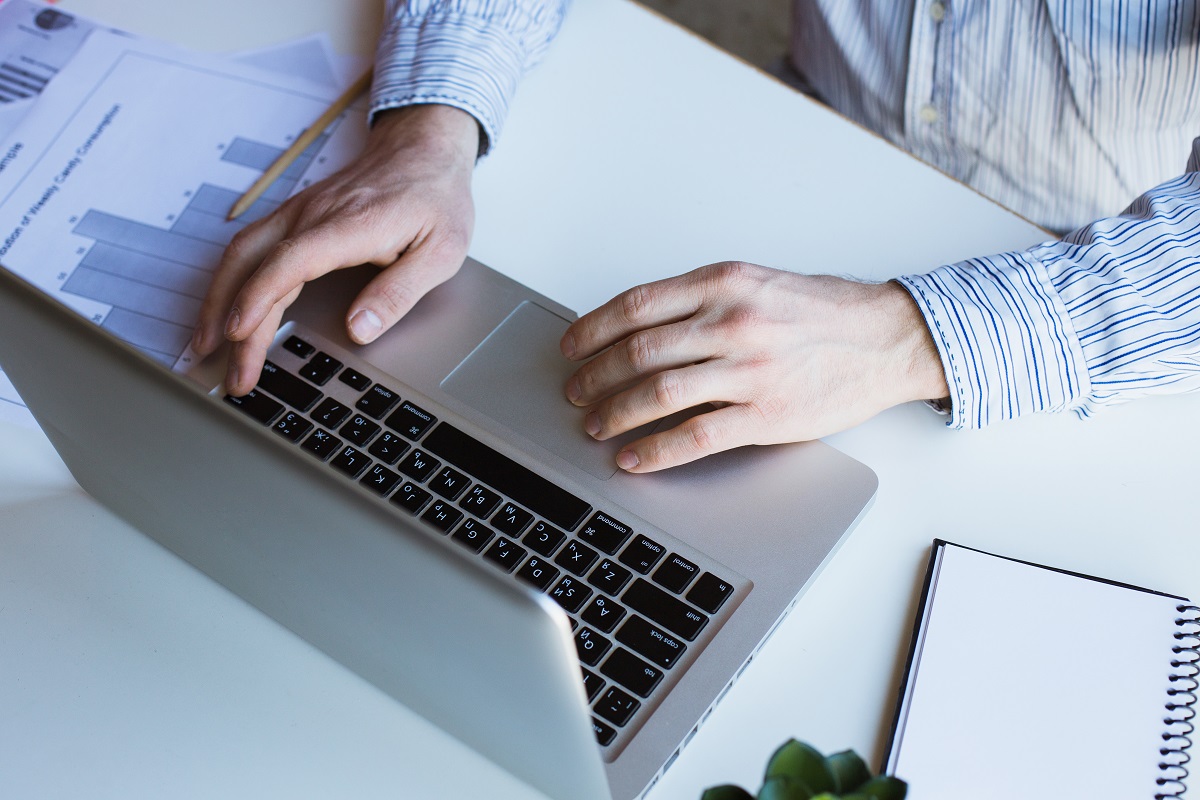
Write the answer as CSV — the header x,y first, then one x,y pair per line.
x,y
668,611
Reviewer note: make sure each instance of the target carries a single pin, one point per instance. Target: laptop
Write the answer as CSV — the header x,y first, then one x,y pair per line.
x,y
428,510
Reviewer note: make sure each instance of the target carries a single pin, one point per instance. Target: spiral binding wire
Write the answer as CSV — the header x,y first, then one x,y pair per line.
x,y
1181,704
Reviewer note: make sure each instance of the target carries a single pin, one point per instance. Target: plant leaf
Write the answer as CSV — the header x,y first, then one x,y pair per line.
x,y
726,792
803,764
782,788
849,771
884,787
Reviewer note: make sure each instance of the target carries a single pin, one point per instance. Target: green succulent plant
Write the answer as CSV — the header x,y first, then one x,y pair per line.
x,y
799,772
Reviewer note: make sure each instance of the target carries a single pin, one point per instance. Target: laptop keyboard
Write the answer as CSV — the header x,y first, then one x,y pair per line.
x,y
640,608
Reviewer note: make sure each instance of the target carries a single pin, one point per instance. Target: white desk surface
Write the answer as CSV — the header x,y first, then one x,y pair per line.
x,y
635,152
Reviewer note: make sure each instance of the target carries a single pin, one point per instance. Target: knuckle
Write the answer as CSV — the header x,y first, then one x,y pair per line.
x,y
640,351
730,274
636,303
397,297
668,389
702,433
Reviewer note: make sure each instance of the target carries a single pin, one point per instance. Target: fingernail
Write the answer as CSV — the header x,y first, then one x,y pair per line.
x,y
591,423
198,339
627,459
568,346
231,380
365,326
231,324
574,390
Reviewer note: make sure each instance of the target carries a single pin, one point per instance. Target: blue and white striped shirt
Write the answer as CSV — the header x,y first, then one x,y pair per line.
x,y
1060,109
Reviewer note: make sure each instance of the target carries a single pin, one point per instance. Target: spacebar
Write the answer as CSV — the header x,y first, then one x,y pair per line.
x,y
506,476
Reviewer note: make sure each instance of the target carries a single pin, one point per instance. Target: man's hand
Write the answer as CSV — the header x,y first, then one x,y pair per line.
x,y
404,205
784,358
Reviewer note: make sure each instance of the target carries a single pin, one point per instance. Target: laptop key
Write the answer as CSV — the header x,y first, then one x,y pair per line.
x,y
605,532
292,426
411,421
506,553
651,642
642,554
320,369
616,706
537,573
592,684
667,610
604,613
331,413
256,405
512,519
411,498
378,401
449,483
675,573
570,593
576,557
321,443
354,379
710,593
544,538
350,461
442,515
419,465
591,646
359,430
631,672
388,448
473,534
287,387
609,576
298,346
480,501
380,479
604,734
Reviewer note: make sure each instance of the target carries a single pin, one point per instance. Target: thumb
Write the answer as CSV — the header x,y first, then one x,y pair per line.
x,y
393,292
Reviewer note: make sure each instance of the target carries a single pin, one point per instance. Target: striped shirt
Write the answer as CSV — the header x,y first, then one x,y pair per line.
x,y
1060,109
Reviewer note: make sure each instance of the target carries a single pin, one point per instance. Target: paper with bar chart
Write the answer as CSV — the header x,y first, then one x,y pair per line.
x,y
115,187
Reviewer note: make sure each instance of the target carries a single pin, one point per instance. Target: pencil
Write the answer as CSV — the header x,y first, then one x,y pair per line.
x,y
299,146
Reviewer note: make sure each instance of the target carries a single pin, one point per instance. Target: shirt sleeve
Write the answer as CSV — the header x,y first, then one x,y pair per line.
x,y
1108,314
469,54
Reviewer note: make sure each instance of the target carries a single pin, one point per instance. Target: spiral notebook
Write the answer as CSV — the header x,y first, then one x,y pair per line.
x,y
1032,682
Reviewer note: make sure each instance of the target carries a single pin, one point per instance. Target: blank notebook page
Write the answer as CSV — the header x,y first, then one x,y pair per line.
x,y
1031,683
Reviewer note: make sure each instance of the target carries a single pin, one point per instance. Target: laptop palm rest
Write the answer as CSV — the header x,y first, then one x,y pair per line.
x,y
516,377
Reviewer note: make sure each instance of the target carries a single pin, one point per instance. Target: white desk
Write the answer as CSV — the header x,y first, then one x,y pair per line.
x,y
637,151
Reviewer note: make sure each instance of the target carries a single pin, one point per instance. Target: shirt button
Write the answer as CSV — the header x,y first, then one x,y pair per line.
x,y
928,114
937,11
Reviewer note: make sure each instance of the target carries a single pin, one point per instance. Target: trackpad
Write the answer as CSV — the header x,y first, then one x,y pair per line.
x,y
516,376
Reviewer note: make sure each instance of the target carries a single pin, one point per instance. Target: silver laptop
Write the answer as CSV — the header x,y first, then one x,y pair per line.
x,y
428,510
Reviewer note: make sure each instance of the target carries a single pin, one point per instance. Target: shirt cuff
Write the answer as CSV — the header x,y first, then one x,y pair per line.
x,y
1004,336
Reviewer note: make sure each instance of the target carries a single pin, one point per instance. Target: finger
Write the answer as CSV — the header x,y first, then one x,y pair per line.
x,y
241,257
392,293
699,436
638,355
644,306
661,395
246,357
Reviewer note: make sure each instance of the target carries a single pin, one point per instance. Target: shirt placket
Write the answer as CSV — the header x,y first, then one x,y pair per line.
x,y
926,105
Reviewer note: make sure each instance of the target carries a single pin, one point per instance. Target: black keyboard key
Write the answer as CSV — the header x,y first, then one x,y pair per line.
x,y
506,476
287,387
604,734
576,558
710,592
292,426
675,573
631,672
298,346
411,421
354,379
642,554
544,538
604,613
321,443
320,369
592,684
331,413
506,553
591,646
256,405
359,430
380,479
480,501
570,593
616,706
350,461
537,573
419,465
442,515
388,448
378,401
667,610
449,483
512,519
609,576
473,534
651,642
605,532
411,497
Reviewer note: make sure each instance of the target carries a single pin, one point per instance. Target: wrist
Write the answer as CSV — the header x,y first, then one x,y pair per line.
x,y
442,129
918,372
